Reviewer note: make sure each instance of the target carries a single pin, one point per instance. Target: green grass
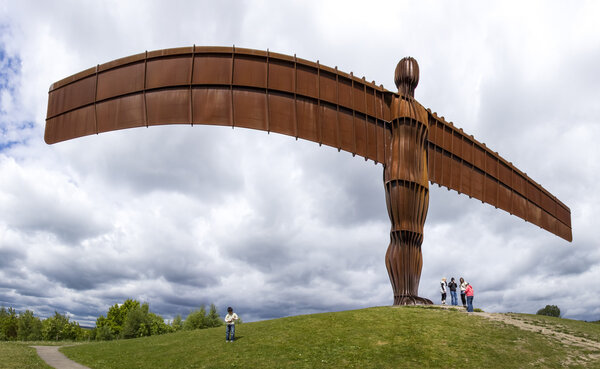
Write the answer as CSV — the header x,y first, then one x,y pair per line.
x,y
17,355
383,337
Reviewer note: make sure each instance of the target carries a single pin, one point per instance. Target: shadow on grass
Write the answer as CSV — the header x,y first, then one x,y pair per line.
x,y
237,338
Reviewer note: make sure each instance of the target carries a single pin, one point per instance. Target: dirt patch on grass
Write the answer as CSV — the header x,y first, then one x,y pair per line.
x,y
549,331
552,332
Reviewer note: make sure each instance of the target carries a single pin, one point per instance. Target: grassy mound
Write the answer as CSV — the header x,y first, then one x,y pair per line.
x,y
382,337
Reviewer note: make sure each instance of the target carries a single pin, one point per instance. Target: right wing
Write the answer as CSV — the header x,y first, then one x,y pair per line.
x,y
461,163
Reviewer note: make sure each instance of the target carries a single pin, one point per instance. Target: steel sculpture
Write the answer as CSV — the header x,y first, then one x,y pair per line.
x,y
284,94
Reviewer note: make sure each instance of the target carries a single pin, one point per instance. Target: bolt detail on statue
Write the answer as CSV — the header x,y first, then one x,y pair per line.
x,y
283,94
406,187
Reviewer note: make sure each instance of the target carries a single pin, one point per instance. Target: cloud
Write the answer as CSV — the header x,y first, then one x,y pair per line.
x,y
36,200
181,216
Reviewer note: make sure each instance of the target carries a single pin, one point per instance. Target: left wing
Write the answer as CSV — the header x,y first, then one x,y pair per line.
x,y
225,86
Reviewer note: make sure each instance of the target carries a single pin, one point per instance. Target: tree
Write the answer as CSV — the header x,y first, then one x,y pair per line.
x,y
29,327
72,331
131,320
140,322
104,333
115,317
158,325
196,319
9,324
136,323
213,319
550,310
177,323
56,328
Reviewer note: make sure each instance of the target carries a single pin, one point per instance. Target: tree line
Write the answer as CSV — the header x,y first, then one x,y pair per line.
x,y
27,327
131,319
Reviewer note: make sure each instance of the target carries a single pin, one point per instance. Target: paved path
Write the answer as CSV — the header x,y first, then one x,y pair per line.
x,y
56,359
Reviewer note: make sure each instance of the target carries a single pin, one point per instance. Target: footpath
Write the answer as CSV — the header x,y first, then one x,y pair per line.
x,y
56,359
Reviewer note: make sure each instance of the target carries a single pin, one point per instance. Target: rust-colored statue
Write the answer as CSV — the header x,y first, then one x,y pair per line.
x,y
279,93
406,186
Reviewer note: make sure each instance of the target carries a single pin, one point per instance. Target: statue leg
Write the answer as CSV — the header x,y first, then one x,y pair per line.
x,y
403,258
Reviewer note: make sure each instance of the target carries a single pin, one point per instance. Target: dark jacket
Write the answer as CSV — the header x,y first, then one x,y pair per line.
x,y
452,286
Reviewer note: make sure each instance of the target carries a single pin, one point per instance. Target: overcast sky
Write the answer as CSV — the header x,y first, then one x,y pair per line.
x,y
182,216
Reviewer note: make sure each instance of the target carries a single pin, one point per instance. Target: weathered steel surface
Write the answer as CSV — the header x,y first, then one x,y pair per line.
x,y
223,86
284,94
406,187
460,162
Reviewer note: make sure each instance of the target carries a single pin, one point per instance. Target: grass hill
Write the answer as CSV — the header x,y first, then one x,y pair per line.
x,y
382,337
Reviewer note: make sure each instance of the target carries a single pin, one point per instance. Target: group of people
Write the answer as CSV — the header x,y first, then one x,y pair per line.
x,y
466,292
466,295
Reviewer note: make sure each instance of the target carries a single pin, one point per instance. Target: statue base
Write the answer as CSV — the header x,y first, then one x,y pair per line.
x,y
411,300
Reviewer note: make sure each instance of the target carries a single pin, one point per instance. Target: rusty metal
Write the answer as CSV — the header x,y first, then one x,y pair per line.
x,y
406,186
273,92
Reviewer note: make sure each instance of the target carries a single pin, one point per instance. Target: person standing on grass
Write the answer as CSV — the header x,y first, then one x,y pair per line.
x,y
469,293
453,286
463,288
443,285
230,319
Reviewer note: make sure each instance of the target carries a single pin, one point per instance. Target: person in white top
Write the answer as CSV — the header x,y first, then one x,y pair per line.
x,y
443,285
463,288
230,319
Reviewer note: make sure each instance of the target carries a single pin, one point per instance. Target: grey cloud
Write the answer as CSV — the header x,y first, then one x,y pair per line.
x,y
175,159
262,252
9,258
183,216
46,203
356,193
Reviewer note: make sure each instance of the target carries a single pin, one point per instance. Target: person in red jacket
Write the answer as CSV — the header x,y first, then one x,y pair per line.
x,y
469,293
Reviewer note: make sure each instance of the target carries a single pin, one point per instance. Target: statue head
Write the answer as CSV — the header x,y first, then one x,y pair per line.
x,y
406,76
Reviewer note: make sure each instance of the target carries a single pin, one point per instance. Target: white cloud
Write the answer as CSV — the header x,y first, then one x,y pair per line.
x,y
182,216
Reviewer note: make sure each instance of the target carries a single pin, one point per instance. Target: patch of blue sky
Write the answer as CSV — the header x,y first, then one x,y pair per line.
x,y
12,131
7,145
18,134
10,68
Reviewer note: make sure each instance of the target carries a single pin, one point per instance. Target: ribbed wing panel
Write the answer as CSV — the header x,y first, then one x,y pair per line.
x,y
461,163
223,86
284,94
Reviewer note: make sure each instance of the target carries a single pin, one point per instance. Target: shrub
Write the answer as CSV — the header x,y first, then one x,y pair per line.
x,y
135,324
30,327
550,310
58,327
157,325
177,323
132,319
140,322
196,319
104,333
116,315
